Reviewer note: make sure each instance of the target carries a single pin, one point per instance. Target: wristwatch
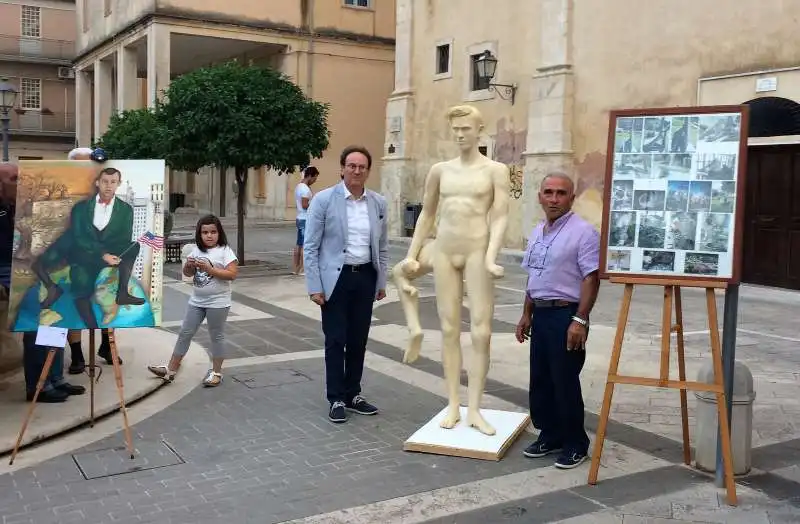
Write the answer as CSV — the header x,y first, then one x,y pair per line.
x,y
579,320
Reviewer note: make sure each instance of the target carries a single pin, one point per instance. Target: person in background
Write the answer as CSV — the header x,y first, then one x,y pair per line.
x,y
55,388
346,270
78,362
302,199
562,261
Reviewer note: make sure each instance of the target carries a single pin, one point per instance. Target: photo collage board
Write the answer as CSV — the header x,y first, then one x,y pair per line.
x,y
672,203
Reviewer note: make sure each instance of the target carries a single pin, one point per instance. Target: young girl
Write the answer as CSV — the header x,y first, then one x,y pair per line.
x,y
212,264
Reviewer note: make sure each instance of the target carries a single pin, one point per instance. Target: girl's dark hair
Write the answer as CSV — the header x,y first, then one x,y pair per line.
x,y
209,220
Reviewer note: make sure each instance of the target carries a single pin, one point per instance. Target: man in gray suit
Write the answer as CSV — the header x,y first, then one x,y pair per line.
x,y
346,257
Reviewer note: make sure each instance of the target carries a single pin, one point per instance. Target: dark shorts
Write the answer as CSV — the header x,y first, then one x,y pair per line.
x,y
301,230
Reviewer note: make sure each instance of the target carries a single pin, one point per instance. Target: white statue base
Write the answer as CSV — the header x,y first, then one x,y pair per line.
x,y
464,441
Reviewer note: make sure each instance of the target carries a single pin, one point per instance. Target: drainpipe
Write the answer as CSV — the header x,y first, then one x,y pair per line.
x,y
309,23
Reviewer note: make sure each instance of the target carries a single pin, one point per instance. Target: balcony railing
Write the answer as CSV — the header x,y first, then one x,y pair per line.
x,y
39,122
37,48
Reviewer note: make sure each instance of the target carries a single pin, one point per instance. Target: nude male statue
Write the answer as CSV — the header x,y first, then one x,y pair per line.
x,y
471,195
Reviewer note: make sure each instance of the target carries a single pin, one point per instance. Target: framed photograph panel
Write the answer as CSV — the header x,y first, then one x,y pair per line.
x,y
673,194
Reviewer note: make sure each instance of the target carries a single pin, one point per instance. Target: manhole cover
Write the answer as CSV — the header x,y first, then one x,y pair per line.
x,y
114,461
271,378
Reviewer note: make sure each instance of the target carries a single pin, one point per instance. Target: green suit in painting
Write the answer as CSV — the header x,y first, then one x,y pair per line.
x,y
87,249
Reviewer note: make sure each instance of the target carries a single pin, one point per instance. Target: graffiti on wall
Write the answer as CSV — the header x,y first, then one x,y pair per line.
x,y
515,172
508,147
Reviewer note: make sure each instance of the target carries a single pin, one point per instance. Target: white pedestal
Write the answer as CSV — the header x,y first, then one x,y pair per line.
x,y
465,441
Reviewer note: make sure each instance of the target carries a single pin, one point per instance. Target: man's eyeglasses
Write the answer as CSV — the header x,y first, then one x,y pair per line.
x,y
538,257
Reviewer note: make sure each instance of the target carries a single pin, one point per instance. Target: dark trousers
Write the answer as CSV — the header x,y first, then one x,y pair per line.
x,y
556,400
33,357
346,320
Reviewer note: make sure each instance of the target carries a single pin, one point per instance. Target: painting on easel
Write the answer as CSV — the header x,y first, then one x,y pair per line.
x,y
674,200
88,249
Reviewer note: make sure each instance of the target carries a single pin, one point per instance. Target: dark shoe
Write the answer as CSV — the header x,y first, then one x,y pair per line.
x,y
124,299
570,459
49,396
360,405
71,389
337,414
540,448
105,353
76,368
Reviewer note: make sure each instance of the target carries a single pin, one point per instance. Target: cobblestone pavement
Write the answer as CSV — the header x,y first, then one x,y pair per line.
x,y
259,449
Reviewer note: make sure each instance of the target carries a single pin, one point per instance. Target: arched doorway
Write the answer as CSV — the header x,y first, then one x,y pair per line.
x,y
771,254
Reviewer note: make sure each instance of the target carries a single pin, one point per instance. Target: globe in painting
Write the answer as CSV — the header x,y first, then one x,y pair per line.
x,y
63,313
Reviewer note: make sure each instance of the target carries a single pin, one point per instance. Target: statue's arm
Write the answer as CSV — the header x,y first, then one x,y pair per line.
x,y
498,213
430,202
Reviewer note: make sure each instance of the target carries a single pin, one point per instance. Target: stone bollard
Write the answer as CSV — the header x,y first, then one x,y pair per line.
x,y
741,423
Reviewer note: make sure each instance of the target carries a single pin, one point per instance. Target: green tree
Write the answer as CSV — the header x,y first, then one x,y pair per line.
x,y
135,134
238,116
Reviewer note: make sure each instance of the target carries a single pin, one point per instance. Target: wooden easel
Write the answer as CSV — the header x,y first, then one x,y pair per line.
x,y
48,363
672,291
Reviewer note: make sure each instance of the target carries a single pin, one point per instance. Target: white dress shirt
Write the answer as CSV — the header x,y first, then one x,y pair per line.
x,y
357,250
102,213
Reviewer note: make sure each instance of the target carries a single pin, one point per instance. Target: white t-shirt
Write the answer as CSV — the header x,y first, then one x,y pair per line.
x,y
301,191
208,291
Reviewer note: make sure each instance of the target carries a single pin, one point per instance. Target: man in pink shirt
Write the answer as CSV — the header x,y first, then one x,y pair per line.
x,y
562,261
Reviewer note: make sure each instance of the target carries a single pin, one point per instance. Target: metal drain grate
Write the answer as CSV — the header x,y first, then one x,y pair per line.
x,y
271,378
110,462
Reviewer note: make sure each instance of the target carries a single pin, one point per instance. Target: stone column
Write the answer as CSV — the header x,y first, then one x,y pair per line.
x,y
158,62
550,111
83,106
397,174
127,81
103,93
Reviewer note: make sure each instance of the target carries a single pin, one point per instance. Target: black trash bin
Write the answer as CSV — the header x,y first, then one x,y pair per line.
x,y
410,218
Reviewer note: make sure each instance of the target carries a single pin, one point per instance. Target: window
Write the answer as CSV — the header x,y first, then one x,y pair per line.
x,y
442,59
31,21
31,93
357,3
477,83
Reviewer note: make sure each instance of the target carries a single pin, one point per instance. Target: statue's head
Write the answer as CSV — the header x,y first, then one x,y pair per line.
x,y
466,122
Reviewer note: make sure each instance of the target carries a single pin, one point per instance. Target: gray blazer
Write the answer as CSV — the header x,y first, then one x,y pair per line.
x,y
326,238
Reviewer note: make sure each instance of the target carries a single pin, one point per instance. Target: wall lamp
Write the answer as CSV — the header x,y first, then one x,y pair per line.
x,y
486,66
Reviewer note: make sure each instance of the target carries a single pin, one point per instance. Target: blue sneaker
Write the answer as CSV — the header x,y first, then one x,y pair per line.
x,y
540,448
570,459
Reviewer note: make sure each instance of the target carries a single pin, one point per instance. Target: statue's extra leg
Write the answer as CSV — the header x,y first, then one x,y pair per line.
x,y
409,299
480,292
449,293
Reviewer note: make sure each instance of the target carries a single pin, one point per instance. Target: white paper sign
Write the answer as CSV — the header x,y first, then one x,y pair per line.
x,y
51,336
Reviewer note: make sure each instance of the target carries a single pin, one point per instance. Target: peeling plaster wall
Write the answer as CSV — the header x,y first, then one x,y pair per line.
x,y
653,55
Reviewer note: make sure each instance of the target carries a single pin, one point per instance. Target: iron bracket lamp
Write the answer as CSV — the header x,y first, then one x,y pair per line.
x,y
486,65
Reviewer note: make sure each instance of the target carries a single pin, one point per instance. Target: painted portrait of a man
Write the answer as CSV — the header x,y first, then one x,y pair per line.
x,y
90,255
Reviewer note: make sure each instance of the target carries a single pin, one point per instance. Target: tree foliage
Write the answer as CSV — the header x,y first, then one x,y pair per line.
x,y
243,117
136,134
238,116
228,115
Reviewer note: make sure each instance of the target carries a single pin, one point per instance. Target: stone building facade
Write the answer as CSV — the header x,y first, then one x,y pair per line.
x,y
572,63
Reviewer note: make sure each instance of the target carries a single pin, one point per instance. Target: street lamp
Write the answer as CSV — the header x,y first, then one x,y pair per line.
x,y
486,65
8,96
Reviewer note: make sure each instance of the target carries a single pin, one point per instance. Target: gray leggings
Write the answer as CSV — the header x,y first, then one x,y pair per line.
x,y
216,329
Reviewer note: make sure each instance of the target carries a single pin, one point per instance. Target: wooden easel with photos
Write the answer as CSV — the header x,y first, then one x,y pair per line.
x,y
673,199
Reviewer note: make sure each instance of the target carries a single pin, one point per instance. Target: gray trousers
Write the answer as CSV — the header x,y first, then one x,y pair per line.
x,y
216,329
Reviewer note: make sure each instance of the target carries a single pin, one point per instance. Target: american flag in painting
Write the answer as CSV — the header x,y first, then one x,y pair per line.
x,y
154,241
